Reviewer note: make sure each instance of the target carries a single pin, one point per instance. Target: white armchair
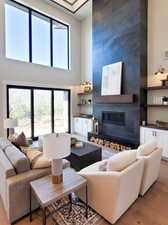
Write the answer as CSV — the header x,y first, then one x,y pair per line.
x,y
112,193
152,159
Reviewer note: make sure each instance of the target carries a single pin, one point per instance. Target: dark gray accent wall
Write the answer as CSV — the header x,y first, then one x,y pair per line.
x,y
120,34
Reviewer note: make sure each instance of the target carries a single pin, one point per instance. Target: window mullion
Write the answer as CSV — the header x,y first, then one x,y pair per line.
x,y
32,113
52,111
51,41
30,35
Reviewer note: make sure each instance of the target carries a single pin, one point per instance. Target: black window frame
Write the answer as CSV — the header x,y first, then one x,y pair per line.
x,y
30,10
32,88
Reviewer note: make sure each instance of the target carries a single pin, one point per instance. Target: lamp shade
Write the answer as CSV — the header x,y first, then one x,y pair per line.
x,y
10,123
56,147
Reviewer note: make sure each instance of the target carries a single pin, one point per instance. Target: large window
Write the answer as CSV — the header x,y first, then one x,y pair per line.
x,y
39,111
34,37
40,39
20,108
17,32
42,112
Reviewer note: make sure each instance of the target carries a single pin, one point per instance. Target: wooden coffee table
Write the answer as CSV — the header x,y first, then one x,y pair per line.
x,y
48,193
84,156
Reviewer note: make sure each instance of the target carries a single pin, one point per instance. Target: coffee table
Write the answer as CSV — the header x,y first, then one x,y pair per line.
x,y
48,193
84,156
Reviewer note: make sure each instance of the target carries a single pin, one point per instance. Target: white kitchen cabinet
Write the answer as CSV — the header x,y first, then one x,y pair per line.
x,y
82,126
160,136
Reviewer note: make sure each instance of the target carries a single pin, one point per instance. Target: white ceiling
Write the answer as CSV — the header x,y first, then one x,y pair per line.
x,y
84,11
71,5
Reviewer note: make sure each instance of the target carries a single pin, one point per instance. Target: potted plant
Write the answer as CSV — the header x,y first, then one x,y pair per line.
x,y
165,100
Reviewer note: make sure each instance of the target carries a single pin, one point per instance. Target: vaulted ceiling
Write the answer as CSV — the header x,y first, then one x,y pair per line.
x,y
71,5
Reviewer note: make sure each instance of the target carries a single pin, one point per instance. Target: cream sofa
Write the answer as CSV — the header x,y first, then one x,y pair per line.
x,y
111,193
15,178
152,158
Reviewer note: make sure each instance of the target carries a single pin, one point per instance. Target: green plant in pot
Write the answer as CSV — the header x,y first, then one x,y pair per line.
x,y
165,100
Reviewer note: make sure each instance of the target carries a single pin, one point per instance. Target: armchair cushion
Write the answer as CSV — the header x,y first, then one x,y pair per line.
x,y
121,160
147,149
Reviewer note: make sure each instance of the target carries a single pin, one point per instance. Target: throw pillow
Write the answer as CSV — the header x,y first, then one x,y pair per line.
x,y
36,157
121,160
21,140
147,148
103,166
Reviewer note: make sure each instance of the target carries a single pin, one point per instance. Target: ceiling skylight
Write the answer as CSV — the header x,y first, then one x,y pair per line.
x,y
71,5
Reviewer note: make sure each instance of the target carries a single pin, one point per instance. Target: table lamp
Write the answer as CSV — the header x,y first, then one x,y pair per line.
x,y
56,148
10,124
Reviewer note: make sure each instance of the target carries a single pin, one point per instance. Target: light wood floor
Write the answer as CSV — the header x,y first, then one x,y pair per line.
x,y
152,209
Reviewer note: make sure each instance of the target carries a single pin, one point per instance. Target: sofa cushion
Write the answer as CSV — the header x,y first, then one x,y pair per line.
x,y
6,167
4,142
19,161
36,157
121,160
21,140
147,148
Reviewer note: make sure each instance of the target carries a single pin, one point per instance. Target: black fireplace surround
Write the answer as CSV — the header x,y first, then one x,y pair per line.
x,y
120,34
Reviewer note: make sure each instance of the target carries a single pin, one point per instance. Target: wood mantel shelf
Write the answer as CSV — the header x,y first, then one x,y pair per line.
x,y
111,99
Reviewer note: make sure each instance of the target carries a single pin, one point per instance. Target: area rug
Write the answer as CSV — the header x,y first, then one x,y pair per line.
x,y
76,217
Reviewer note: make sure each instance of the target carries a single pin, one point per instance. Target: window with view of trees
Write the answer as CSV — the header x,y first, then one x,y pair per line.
x,y
39,111
20,108
34,37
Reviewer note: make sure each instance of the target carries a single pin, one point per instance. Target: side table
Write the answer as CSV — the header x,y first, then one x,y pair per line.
x,y
47,193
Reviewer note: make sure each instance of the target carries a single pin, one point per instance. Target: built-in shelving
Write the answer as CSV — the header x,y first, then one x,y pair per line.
x,y
157,105
84,104
84,93
157,88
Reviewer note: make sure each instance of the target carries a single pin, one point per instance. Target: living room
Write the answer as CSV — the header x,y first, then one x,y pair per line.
x,y
89,77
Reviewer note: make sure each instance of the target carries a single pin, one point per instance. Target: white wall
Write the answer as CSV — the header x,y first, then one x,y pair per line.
x,y
25,73
86,49
157,45
86,57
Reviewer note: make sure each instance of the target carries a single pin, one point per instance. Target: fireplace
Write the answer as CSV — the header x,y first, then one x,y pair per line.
x,y
114,131
115,118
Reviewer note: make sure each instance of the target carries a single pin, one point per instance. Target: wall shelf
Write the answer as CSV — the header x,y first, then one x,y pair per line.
x,y
114,99
157,88
84,104
84,93
157,105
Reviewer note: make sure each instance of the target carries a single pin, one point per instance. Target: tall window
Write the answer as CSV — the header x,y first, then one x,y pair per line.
x,y
39,110
60,45
42,112
40,39
20,109
17,32
34,37
61,111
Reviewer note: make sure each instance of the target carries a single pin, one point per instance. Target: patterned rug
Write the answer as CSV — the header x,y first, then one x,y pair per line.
x,y
76,217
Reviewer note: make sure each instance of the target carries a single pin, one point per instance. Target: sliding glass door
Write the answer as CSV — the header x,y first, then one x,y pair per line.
x,y
39,110
42,112
20,108
61,111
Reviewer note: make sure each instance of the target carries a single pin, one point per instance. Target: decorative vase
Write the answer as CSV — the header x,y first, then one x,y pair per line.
x,y
165,103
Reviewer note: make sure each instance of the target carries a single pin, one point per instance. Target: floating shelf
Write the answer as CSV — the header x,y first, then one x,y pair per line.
x,y
84,104
157,105
157,88
111,99
84,93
